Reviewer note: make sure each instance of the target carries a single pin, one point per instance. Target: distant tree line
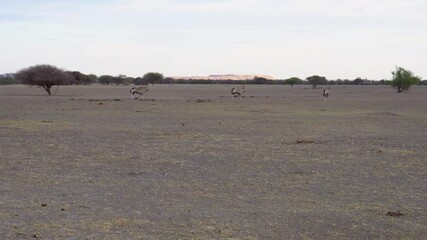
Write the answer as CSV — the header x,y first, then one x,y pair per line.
x,y
78,78
7,79
313,80
47,76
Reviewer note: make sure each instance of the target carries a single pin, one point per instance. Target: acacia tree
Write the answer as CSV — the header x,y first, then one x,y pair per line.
x,y
153,77
105,79
118,79
43,75
403,79
317,80
260,80
293,80
80,78
358,81
92,78
122,79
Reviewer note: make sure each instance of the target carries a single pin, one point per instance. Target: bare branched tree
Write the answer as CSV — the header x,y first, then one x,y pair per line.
x,y
43,75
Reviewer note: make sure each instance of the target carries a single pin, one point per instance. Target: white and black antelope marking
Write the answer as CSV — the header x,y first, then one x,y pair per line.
x,y
139,90
237,92
325,94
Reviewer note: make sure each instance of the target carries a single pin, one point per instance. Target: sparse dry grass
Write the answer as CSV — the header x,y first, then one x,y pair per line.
x,y
282,164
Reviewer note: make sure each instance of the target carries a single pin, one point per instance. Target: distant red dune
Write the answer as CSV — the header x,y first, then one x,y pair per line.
x,y
224,77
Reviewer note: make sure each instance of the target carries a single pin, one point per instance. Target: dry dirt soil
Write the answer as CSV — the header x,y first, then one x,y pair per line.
x,y
189,163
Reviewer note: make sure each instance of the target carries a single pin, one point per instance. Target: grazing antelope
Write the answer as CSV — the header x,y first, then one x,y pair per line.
x,y
139,90
325,94
237,92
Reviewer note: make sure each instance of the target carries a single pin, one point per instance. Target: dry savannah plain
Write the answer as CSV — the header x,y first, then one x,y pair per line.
x,y
189,163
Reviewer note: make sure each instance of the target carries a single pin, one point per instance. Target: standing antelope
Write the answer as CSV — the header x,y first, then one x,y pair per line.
x,y
238,92
139,90
325,94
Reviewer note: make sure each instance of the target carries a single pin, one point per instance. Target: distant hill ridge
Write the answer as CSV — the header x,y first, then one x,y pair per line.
x,y
225,77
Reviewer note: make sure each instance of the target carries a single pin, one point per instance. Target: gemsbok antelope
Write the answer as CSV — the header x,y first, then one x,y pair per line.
x,y
139,90
325,94
237,92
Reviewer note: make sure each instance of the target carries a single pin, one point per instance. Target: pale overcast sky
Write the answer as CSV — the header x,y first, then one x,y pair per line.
x,y
282,38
